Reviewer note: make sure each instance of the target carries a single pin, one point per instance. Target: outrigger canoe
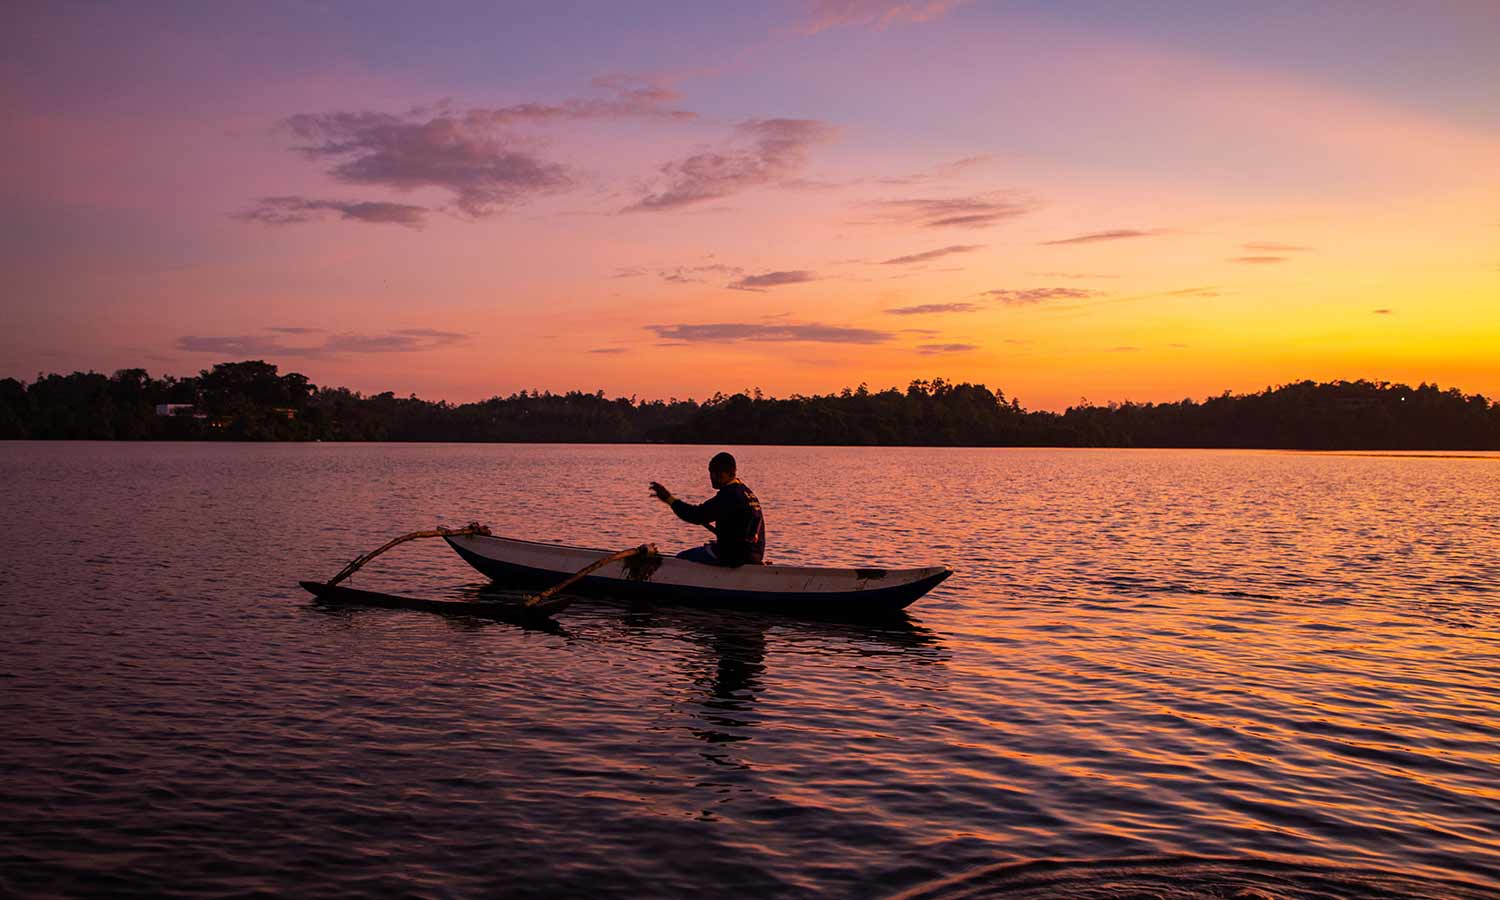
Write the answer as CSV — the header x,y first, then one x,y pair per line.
x,y
839,592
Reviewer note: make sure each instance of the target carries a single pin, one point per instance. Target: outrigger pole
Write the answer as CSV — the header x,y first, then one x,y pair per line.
x,y
641,561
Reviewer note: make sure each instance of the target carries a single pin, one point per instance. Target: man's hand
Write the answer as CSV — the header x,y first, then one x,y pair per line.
x,y
661,493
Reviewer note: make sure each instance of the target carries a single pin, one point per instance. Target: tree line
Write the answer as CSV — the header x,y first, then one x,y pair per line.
x,y
253,401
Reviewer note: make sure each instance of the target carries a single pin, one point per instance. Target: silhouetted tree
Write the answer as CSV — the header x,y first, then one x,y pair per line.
x,y
252,400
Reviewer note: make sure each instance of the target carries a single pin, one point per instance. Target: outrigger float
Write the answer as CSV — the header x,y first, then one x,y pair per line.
x,y
642,573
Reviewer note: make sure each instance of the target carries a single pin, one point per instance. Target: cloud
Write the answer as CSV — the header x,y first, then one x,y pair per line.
x,y
824,14
694,274
434,334
978,211
1274,247
927,308
772,279
1258,260
634,97
1093,237
1074,275
929,255
243,346
1028,296
777,150
294,330
1383,311
473,154
946,348
297,210
406,340
463,153
946,171
731,332
1207,290
1126,349
609,350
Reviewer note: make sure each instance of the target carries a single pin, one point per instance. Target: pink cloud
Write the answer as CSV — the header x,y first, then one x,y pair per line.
x,y
825,14
772,279
929,255
1028,296
974,211
777,149
930,308
1094,237
731,332
295,210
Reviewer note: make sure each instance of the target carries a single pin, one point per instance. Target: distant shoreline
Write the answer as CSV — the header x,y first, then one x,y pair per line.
x,y
1376,453
253,401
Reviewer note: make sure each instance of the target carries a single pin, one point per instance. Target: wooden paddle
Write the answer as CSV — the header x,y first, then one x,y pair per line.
x,y
645,551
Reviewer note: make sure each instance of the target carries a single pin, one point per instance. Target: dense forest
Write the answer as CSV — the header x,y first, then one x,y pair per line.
x,y
252,400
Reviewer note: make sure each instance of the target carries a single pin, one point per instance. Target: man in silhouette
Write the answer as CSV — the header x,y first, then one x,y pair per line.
x,y
740,529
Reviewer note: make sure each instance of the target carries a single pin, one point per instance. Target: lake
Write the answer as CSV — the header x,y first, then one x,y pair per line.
x,y
1155,673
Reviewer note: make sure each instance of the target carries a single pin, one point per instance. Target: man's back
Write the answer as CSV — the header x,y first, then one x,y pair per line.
x,y
740,524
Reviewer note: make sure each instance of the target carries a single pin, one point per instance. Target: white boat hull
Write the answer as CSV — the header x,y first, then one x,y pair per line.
x,y
796,588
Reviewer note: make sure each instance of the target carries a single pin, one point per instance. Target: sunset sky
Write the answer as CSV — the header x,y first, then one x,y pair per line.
x,y
1111,200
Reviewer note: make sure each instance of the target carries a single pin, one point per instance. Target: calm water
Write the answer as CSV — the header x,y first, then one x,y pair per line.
x,y
1156,673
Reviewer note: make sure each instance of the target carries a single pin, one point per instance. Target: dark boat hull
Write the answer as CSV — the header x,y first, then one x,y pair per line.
x,y
867,602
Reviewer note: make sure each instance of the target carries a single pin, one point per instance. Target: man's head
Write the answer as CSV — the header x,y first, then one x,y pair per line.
x,y
721,469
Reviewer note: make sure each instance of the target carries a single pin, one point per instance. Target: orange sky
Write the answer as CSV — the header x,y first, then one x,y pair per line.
x,y
1150,205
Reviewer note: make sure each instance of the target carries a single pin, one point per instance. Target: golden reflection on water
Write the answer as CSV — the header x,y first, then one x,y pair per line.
x,y
1273,658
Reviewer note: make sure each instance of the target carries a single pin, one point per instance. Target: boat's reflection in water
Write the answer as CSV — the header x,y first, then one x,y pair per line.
x,y
723,654
731,668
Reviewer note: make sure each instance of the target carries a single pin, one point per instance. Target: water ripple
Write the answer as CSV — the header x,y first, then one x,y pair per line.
x,y
1156,674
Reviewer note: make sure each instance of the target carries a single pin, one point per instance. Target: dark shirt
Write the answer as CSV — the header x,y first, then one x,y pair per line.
x,y
741,527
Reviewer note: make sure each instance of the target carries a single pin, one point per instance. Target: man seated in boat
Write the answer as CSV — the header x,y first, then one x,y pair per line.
x,y
741,529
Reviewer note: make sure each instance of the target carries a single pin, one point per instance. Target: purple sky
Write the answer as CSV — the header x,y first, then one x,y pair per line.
x,y
1119,199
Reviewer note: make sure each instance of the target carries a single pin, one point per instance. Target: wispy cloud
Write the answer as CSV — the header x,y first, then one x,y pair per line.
x,y
608,350
772,279
946,348
406,340
1274,247
929,255
240,345
463,153
784,332
944,172
630,97
1094,237
1207,290
1028,296
294,329
777,149
1080,276
294,210
475,154
1383,311
1258,260
928,308
977,211
695,274
824,14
